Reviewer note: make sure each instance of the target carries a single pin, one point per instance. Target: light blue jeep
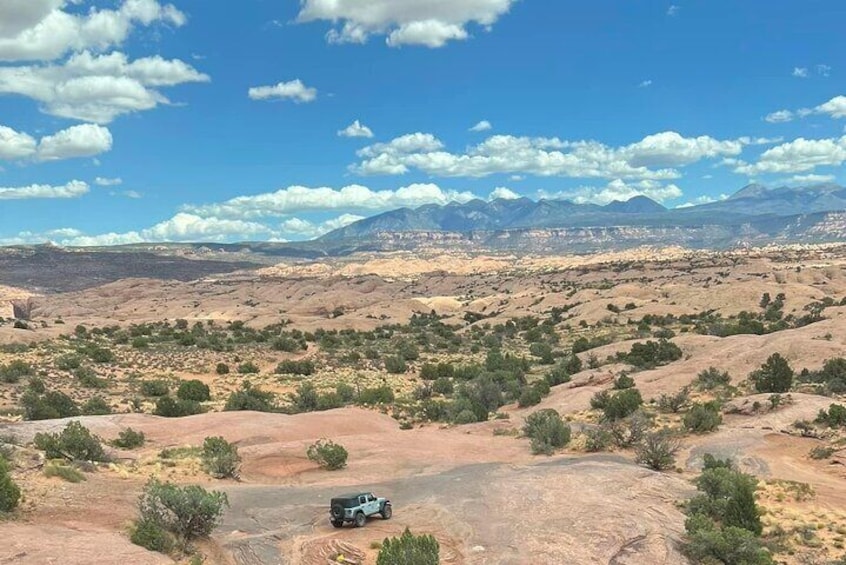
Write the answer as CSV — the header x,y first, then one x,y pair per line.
x,y
357,507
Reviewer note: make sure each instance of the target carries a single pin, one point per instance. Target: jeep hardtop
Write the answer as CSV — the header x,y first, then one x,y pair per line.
x,y
355,508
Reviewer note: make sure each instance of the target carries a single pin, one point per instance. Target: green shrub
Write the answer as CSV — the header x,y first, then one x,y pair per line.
x,y
345,392
547,431
68,362
529,396
12,372
622,403
10,493
673,403
658,450
303,368
96,406
155,388
707,542
822,452
597,439
74,443
835,417
151,536
129,439
220,458
395,365
176,408
775,375
409,549
99,354
251,398
328,454
195,390
712,378
222,369
88,378
377,395
703,418
728,498
630,430
188,512
652,354
443,385
623,382
48,406
65,472
248,368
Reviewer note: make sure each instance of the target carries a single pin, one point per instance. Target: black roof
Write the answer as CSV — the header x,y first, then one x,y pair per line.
x,y
351,495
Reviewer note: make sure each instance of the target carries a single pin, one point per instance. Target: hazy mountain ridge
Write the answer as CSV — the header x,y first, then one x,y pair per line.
x,y
522,213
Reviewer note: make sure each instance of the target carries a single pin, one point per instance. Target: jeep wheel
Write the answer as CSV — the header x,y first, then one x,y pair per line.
x,y
360,519
338,523
337,512
387,512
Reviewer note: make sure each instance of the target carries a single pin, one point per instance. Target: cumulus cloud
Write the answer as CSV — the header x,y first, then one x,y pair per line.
x,y
73,189
780,116
296,199
810,179
298,228
484,125
41,30
797,156
85,140
617,189
704,199
800,72
823,70
356,129
834,108
404,22
294,90
645,84
15,144
655,157
103,181
673,10
504,193
98,88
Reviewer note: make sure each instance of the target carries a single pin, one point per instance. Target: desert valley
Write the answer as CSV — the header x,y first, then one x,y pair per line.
x,y
428,370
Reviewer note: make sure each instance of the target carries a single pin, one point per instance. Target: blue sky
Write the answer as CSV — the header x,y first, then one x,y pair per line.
x,y
137,120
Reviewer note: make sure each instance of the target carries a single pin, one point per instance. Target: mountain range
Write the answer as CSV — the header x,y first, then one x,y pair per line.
x,y
752,203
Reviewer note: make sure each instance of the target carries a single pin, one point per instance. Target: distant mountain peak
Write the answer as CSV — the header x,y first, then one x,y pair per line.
x,y
636,205
753,190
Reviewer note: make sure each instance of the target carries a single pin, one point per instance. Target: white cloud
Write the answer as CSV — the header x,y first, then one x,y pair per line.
x,y
40,30
298,228
85,140
619,190
356,129
103,181
673,10
797,156
811,179
484,125
800,72
134,194
645,84
295,90
823,70
704,199
779,117
181,227
404,22
503,192
295,199
16,145
73,189
836,107
654,157
98,88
